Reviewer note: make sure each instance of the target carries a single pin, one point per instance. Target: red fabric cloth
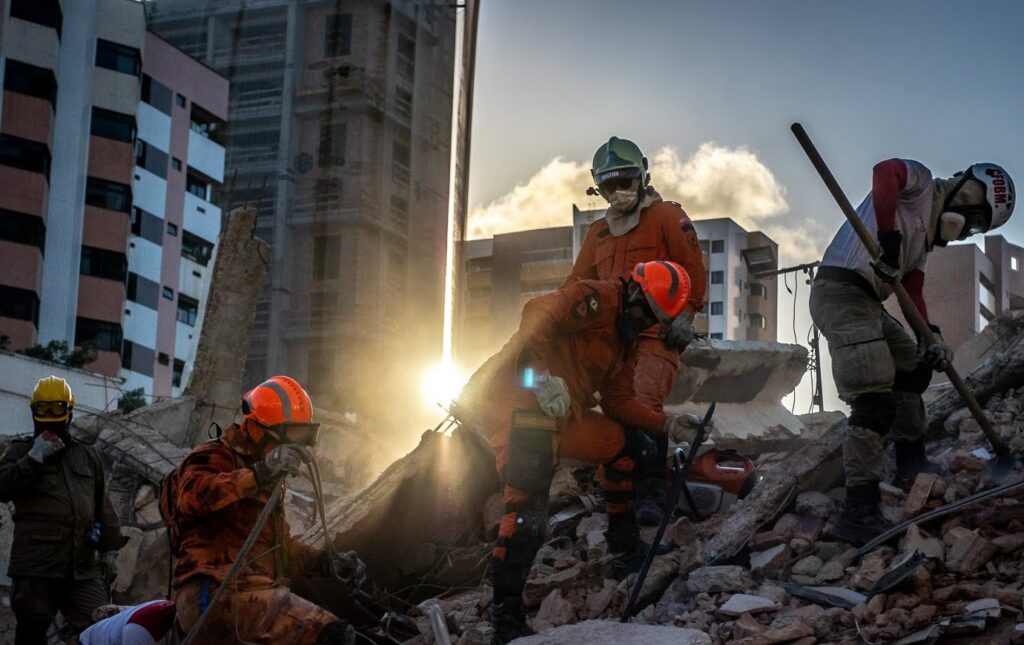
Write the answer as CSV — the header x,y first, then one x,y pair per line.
x,y
913,282
888,179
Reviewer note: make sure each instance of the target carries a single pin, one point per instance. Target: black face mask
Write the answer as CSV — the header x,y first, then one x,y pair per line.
x,y
59,428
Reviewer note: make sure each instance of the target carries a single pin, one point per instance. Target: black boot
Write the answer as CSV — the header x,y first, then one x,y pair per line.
x,y
650,503
623,539
862,519
910,462
508,617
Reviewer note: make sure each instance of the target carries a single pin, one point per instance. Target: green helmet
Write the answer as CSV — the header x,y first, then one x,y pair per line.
x,y
619,158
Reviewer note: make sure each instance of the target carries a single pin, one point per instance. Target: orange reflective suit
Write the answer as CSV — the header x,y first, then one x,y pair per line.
x,y
217,503
664,232
572,333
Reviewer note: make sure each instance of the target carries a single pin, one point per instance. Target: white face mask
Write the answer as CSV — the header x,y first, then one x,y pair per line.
x,y
623,201
951,225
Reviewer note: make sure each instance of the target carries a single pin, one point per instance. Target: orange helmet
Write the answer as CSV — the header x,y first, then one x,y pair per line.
x,y
282,409
666,286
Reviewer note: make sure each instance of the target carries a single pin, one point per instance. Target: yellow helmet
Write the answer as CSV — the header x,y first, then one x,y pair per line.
x,y
52,400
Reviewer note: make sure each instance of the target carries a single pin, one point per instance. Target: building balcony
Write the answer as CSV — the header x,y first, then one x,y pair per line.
x,y
206,156
28,117
23,190
106,229
111,160
201,217
23,266
100,299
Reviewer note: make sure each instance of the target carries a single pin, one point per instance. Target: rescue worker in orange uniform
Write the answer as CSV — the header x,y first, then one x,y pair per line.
x,y
533,401
210,504
639,226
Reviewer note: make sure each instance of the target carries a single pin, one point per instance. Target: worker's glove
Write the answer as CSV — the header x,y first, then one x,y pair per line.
x,y
283,460
553,396
679,333
938,355
46,444
683,427
109,563
345,566
887,266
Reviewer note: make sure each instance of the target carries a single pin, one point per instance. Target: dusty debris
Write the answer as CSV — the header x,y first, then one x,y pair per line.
x,y
741,603
602,631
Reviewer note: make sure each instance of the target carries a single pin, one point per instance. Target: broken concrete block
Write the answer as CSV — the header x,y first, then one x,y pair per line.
x,y
987,607
682,532
766,539
769,561
598,602
741,603
831,571
540,587
1009,543
918,540
554,611
968,552
809,566
872,568
718,579
564,489
919,494
814,503
746,626
591,529
604,631
808,529
791,632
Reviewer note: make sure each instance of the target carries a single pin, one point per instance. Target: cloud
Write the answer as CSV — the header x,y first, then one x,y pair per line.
x,y
715,181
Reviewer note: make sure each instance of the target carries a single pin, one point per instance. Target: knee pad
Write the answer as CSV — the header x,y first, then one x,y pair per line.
x,y
874,411
522,531
915,381
531,452
339,632
639,455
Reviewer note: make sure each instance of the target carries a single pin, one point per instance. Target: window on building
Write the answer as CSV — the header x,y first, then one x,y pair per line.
x,y
172,229
758,321
403,102
197,184
108,194
23,229
103,335
401,155
181,100
178,372
326,257
168,293
196,248
399,210
163,359
332,145
705,246
143,291
718,246
323,303
717,308
1014,263
30,80
406,57
147,226
474,265
715,336
176,163
188,310
118,57
25,154
758,289
137,358
42,12
156,94
337,35
20,304
103,263
717,277
151,158
479,293
205,124
112,125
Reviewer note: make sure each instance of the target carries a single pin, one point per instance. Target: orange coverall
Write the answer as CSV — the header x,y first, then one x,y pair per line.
x,y
664,232
217,506
573,334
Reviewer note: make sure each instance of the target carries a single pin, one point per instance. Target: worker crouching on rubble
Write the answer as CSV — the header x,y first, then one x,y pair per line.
x,y
62,518
639,226
210,504
533,402
879,368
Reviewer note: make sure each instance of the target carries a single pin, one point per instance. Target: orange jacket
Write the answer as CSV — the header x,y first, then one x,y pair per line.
x,y
217,505
663,233
572,333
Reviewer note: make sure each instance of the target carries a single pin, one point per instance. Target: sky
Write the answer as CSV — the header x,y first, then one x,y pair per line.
x,y
709,88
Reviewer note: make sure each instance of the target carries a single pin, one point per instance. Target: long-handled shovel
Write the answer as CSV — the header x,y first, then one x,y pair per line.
x,y
1005,459
682,470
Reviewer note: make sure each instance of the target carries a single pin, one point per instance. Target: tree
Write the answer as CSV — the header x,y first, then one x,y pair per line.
x,y
5,342
57,351
131,400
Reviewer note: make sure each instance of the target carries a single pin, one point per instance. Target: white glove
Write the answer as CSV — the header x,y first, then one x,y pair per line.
x,y
283,460
347,566
46,444
939,355
683,427
679,334
553,396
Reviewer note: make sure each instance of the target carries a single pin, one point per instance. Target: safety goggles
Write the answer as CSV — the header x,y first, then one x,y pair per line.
x,y
50,409
303,434
620,179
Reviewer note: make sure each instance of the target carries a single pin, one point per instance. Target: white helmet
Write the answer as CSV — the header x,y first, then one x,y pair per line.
x,y
999,193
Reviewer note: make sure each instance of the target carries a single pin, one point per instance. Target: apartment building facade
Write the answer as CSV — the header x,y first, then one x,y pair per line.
x,y
966,286
71,162
340,132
